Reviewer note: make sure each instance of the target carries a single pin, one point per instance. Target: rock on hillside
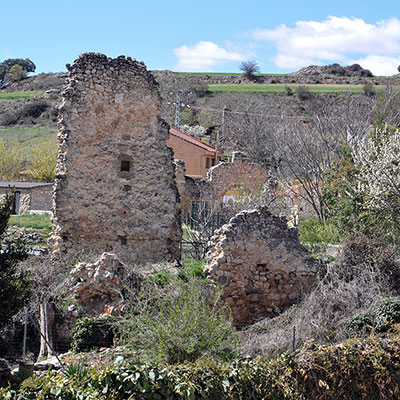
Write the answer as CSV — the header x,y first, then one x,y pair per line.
x,y
335,69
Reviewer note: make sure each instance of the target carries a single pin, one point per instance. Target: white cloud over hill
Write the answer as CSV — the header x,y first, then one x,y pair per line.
x,y
337,39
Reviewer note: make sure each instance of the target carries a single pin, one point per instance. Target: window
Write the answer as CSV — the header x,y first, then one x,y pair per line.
x,y
125,165
207,163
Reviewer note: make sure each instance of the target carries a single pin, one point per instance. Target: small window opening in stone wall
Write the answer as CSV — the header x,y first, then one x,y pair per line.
x,y
207,163
212,162
125,165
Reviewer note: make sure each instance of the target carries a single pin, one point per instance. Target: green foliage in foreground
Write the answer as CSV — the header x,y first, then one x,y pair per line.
x,y
282,88
368,368
21,95
91,333
33,221
381,320
177,321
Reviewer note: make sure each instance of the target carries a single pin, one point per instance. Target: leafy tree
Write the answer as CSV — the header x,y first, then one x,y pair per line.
x,y
377,159
26,64
43,164
15,74
14,285
10,161
343,205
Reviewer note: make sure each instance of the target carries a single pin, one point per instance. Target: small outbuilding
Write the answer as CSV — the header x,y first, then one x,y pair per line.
x,y
30,197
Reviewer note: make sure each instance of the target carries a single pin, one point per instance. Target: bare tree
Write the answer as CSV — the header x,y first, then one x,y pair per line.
x,y
249,68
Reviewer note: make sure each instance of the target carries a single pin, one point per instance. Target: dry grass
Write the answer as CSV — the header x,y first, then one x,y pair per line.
x,y
347,288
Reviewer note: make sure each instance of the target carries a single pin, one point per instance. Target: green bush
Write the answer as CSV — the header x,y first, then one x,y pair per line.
x,y
313,233
181,321
92,333
387,313
381,319
352,370
361,323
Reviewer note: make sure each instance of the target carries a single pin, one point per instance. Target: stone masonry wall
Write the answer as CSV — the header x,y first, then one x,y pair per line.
x,y
242,172
42,198
220,178
115,188
261,264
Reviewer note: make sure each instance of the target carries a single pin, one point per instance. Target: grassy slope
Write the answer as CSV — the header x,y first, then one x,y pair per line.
x,y
28,138
23,95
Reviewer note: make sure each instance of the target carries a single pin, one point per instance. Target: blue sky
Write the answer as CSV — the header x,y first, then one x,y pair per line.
x,y
217,35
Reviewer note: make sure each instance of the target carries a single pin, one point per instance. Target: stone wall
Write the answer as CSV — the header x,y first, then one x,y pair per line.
x,y
262,265
115,187
241,173
32,196
42,198
250,176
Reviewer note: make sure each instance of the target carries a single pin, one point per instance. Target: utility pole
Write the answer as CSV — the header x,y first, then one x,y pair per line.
x,y
224,109
178,105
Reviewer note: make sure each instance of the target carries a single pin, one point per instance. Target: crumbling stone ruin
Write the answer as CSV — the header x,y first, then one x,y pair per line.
x,y
261,264
115,188
98,285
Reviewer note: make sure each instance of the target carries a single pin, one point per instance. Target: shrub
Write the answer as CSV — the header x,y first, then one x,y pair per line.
x,y
358,249
369,90
303,93
366,369
34,109
323,316
8,118
381,319
92,333
387,313
182,321
361,323
314,233
288,90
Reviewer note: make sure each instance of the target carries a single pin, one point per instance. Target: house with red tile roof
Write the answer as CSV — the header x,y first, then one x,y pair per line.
x,y
198,156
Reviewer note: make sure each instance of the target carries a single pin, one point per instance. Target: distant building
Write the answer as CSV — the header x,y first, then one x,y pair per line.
x,y
30,197
198,156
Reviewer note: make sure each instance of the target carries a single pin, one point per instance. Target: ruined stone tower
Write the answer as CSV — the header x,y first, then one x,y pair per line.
x,y
115,188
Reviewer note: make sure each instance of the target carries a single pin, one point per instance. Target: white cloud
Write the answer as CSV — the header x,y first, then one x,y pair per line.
x,y
337,39
203,56
379,65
